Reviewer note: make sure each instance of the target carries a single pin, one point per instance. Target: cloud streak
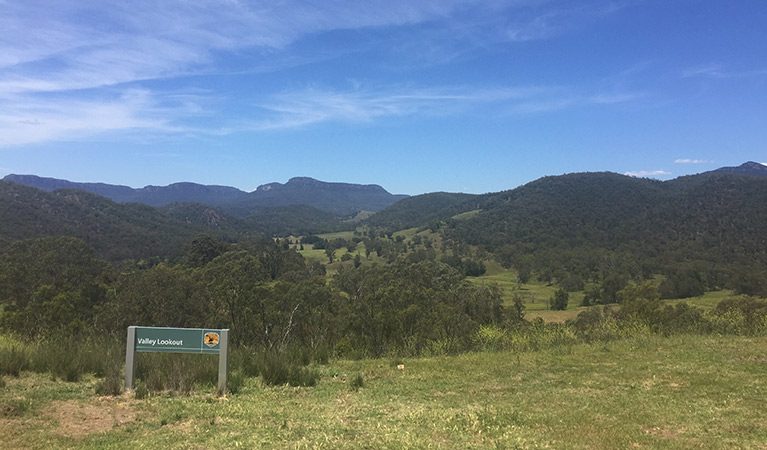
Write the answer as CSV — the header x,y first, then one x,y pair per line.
x,y
84,68
312,105
691,161
647,173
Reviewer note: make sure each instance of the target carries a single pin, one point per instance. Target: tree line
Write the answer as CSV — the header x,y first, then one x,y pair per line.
x,y
261,289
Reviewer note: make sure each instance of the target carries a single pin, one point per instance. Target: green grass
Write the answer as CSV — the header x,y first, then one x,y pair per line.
x,y
536,295
341,234
707,301
649,392
467,214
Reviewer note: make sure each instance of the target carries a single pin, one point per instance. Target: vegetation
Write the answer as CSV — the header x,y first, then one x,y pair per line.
x,y
454,299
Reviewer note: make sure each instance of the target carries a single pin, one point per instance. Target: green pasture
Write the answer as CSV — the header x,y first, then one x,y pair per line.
x,y
536,294
646,392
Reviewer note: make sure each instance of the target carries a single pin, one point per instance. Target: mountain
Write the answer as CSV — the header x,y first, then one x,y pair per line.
x,y
748,168
117,231
579,222
337,198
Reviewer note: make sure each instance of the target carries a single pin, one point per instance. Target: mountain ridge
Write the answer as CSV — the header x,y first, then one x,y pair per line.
x,y
333,197
747,168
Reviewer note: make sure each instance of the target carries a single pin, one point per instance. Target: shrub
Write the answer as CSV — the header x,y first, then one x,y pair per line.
x,y
740,315
111,384
357,383
277,369
176,372
13,359
235,382
142,391
492,338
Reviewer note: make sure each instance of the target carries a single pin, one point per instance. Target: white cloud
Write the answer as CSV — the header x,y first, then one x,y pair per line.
x,y
691,161
74,119
646,173
73,71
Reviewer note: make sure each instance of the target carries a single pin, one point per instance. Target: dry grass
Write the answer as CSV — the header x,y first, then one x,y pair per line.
x,y
648,392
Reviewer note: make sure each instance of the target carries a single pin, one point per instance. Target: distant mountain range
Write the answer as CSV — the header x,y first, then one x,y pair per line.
x,y
336,198
718,216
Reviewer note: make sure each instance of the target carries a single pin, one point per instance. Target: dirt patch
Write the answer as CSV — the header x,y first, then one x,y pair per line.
x,y
664,433
78,419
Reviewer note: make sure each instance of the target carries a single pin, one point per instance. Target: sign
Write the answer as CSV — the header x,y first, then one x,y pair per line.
x,y
177,340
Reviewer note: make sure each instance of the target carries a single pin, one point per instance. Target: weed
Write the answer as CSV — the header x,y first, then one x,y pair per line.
x,y
111,384
141,391
235,382
15,407
13,359
357,383
176,372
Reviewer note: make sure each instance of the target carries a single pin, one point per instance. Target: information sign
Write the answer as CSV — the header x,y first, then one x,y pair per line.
x,y
177,340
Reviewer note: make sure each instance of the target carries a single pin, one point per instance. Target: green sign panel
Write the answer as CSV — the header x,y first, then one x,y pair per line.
x,y
178,340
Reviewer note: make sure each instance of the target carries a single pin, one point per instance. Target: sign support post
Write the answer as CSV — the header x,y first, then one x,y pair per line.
x,y
177,340
130,359
223,362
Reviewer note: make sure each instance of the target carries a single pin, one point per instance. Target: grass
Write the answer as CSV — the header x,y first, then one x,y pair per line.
x,y
467,214
536,295
649,392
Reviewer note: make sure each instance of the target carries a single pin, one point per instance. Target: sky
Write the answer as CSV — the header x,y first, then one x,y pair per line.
x,y
416,96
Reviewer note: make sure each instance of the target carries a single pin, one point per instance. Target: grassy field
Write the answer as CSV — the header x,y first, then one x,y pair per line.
x,y
536,295
647,392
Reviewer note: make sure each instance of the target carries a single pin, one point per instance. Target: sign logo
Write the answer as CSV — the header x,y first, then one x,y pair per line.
x,y
211,339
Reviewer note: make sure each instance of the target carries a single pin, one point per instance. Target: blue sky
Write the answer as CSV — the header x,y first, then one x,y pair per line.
x,y
417,96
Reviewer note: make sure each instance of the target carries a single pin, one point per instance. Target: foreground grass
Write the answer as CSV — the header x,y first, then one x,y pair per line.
x,y
649,392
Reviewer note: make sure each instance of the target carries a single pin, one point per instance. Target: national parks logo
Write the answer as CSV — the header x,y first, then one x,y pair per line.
x,y
211,339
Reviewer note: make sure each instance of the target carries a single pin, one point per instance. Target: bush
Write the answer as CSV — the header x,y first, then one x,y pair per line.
x,y
492,338
277,369
740,315
235,382
176,372
13,358
68,359
357,383
111,384
142,391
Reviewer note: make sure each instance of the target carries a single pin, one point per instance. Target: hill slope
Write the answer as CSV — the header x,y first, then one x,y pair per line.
x,y
116,231
748,168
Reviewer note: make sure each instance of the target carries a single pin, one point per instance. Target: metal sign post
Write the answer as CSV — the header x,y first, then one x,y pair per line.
x,y
177,340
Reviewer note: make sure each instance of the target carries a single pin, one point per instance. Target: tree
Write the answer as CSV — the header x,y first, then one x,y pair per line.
x,y
517,308
331,253
559,301
202,250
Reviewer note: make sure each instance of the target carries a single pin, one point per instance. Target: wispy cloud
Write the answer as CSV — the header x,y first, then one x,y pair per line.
x,y
81,69
691,161
716,70
312,105
66,119
647,173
